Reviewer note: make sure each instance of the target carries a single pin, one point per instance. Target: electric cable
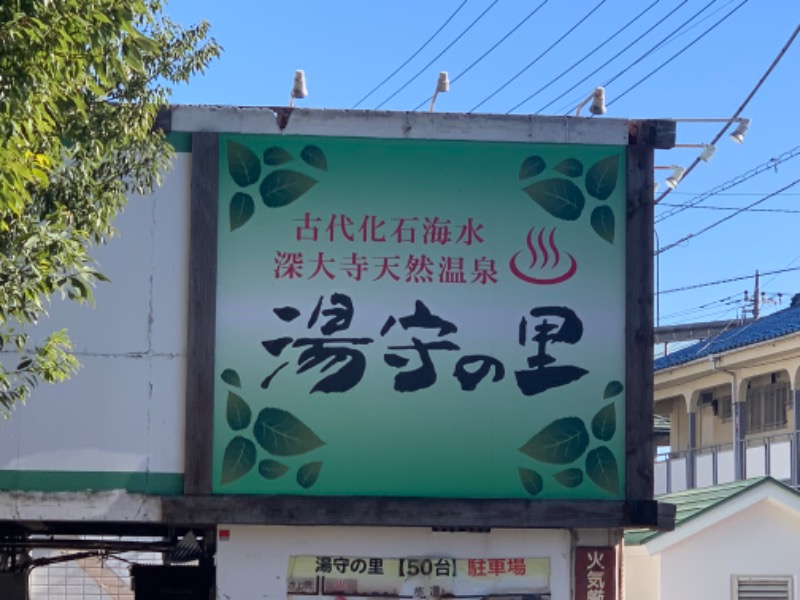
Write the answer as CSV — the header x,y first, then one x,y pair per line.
x,y
741,108
585,56
788,211
435,58
490,50
728,280
677,54
610,60
686,238
543,54
413,56
738,180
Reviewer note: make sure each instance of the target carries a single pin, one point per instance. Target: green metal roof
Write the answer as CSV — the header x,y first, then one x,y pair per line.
x,y
693,503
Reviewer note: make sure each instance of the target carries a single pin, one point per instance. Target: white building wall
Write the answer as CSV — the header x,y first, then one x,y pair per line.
x,y
641,574
124,410
253,563
761,540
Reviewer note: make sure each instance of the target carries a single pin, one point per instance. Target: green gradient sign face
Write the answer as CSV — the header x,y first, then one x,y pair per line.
x,y
420,318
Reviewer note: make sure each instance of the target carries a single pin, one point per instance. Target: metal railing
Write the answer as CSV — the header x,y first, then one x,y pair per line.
x,y
773,455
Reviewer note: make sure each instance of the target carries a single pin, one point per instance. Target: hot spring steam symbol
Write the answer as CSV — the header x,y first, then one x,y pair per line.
x,y
547,257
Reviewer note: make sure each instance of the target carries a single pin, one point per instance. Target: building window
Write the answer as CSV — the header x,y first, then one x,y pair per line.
x,y
766,407
724,408
778,587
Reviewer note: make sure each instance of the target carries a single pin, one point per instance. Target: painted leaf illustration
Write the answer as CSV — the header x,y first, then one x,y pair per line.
x,y
601,467
614,388
570,478
271,469
241,209
243,165
531,481
238,459
561,442
315,157
604,423
237,412
571,167
307,475
601,179
275,156
602,221
281,433
231,377
560,197
281,187
531,167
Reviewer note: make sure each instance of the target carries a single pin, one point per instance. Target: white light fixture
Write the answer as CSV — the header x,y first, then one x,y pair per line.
x,y
737,136
598,106
677,174
442,85
738,133
708,152
705,155
299,89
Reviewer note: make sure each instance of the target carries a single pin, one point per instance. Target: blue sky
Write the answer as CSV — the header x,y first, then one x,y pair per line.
x,y
348,47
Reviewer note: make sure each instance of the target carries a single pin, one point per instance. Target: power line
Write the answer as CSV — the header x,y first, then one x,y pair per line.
x,y
438,56
660,43
729,280
677,54
413,56
741,107
772,163
490,50
731,208
535,60
610,60
585,56
686,238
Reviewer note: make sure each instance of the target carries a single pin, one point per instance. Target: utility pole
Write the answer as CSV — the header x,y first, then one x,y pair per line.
x,y
756,296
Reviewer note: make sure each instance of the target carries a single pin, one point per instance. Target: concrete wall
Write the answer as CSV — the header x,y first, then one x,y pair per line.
x,y
252,564
123,412
762,540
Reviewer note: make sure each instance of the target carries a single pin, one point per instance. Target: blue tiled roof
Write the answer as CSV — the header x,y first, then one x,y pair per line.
x,y
779,324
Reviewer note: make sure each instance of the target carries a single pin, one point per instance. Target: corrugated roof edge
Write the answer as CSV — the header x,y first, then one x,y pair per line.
x,y
779,324
693,503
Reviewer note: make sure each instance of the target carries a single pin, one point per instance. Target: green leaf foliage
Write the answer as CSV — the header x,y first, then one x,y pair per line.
x,y
559,197
307,475
602,221
531,481
238,459
271,469
243,164
561,442
601,178
570,478
82,83
531,167
281,433
604,423
237,412
282,187
315,157
275,156
231,377
241,209
613,388
571,167
601,467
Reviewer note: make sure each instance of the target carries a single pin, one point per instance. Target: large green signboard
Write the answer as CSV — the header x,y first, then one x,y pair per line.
x,y
420,318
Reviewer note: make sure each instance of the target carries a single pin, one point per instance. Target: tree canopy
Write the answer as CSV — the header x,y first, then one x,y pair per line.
x,y
81,82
